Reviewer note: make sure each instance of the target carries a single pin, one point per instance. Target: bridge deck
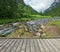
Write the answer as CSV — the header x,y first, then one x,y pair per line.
x,y
29,45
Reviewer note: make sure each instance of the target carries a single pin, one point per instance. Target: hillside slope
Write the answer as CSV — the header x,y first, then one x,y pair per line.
x,y
54,10
15,8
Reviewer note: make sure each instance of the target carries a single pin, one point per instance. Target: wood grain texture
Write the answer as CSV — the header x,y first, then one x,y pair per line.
x,y
29,45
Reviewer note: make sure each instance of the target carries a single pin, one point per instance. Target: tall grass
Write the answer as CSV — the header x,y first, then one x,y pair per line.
x,y
32,17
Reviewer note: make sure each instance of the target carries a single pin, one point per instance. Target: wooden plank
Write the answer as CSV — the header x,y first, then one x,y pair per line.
x,y
2,45
52,45
23,48
49,46
19,45
45,45
12,44
27,46
30,45
1,41
15,46
55,44
36,46
40,45
58,40
58,43
8,46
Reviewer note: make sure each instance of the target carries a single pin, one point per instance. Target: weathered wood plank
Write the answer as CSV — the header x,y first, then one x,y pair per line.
x,y
49,46
3,44
36,46
15,46
8,47
19,45
51,43
29,45
23,48
40,45
32,46
11,46
56,44
45,45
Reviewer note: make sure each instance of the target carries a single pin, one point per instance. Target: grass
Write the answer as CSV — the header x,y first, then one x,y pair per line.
x,y
39,16
32,17
53,23
56,23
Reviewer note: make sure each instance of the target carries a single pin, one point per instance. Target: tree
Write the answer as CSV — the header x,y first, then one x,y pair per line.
x,y
7,8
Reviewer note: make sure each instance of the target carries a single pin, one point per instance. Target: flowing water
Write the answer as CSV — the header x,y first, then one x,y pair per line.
x,y
33,25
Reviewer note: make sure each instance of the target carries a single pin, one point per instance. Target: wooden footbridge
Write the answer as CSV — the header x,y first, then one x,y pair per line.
x,y
29,45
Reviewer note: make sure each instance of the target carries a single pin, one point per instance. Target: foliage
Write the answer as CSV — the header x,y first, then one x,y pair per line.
x,y
16,10
53,10
7,8
56,23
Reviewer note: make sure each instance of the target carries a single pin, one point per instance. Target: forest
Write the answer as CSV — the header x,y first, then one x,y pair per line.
x,y
16,10
20,20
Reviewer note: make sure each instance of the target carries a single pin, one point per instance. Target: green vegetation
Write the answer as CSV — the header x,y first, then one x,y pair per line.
x,y
32,17
53,10
14,9
56,23
17,11
2,35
